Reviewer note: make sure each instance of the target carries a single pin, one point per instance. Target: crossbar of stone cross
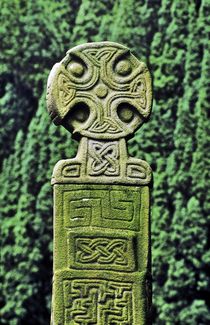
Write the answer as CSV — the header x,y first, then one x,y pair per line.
x,y
101,93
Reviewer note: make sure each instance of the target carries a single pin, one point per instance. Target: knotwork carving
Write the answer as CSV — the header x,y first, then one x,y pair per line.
x,y
103,158
101,250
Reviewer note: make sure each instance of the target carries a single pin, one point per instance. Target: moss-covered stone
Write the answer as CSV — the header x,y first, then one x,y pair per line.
x,y
102,94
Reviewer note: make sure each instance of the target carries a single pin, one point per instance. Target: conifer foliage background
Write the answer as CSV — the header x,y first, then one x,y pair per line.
x,y
171,36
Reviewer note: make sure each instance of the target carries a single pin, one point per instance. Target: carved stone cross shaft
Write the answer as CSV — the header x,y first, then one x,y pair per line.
x,y
102,94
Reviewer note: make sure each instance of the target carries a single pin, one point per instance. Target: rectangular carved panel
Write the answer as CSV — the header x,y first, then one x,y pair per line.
x,y
100,298
97,301
101,250
103,158
110,208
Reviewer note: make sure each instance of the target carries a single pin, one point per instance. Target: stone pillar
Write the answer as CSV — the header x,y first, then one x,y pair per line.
x,y
102,94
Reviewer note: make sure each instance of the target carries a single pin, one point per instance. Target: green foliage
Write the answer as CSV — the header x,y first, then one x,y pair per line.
x,y
11,118
172,38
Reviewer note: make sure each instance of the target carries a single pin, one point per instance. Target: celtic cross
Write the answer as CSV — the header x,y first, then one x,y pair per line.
x,y
101,93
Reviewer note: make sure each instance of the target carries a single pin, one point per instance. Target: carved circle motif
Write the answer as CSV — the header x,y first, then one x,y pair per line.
x,y
113,85
123,67
101,91
76,69
125,113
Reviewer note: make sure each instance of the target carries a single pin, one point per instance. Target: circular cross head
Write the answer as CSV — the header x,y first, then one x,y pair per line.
x,y
100,91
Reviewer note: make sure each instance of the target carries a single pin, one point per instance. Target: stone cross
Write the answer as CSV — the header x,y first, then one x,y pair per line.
x,y
101,93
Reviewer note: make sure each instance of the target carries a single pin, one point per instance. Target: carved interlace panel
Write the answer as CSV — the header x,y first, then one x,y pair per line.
x,y
102,251
103,158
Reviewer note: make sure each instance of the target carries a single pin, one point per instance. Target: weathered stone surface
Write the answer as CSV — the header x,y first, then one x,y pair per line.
x,y
102,94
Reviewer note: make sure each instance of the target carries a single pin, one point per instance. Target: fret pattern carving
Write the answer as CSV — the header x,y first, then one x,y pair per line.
x,y
117,209
97,302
